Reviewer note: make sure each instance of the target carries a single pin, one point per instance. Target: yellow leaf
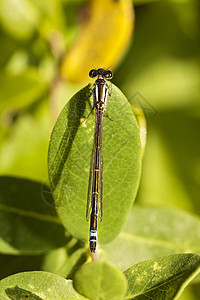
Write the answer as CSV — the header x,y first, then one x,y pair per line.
x,y
102,40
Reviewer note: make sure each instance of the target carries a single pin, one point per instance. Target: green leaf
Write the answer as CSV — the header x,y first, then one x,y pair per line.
x,y
23,148
100,280
20,91
70,158
37,286
64,261
151,232
28,224
164,278
19,18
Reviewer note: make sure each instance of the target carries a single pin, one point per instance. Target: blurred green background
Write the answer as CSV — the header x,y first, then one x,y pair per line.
x,y
159,69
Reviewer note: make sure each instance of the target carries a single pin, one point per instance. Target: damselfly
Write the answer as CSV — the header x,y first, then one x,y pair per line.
x,y
95,189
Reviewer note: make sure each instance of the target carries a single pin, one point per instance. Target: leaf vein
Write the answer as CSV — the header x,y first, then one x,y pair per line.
x,y
30,214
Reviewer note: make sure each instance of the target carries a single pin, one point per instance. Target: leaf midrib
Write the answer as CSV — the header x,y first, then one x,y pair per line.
x,y
134,237
30,214
130,296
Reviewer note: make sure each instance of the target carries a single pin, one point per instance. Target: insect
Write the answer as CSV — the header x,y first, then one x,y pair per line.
x,y
94,209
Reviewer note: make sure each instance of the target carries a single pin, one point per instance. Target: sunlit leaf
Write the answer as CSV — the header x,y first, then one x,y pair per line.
x,y
70,157
164,278
100,280
37,286
151,232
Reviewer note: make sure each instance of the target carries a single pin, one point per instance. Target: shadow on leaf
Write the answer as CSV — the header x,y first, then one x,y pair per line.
x,y
17,293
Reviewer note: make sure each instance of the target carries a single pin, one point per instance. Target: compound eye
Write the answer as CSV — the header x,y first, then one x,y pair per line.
x,y
93,73
108,75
